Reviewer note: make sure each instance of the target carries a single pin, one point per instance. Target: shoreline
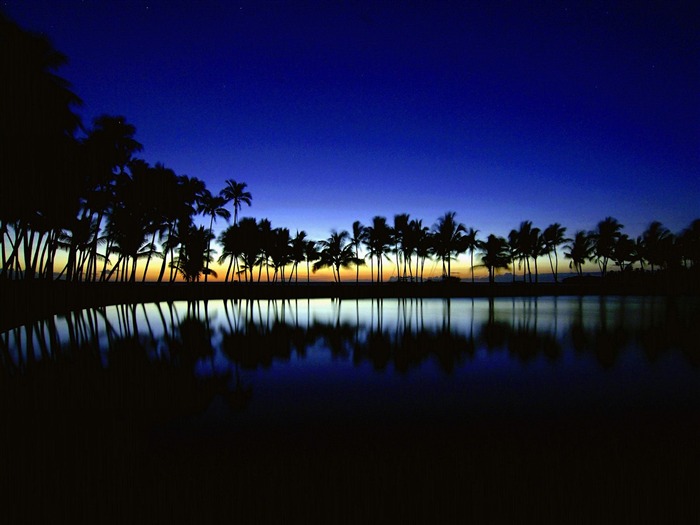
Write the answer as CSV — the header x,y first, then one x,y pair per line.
x,y
28,301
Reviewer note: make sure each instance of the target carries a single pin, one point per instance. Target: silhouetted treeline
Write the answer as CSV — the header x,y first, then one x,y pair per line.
x,y
81,193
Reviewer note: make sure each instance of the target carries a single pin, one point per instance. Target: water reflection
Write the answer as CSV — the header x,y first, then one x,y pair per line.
x,y
174,358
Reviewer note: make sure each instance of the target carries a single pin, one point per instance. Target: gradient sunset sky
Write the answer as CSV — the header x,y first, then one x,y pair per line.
x,y
339,111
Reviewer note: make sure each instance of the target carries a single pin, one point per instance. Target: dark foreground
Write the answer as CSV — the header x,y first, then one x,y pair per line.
x,y
115,468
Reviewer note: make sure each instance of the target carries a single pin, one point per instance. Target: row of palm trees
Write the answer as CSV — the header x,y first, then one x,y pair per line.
x,y
83,194
408,244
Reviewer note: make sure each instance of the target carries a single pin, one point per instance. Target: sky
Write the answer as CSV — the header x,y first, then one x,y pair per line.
x,y
338,111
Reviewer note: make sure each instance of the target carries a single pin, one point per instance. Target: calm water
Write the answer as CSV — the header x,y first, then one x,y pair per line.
x,y
320,411
243,362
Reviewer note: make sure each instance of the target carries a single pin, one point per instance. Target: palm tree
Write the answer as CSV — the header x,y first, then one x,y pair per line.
x,y
39,148
336,253
624,252
213,206
689,245
280,252
357,237
250,245
579,250
537,248
553,237
398,239
494,255
377,241
604,237
311,254
235,192
514,251
447,240
526,236
656,242
471,243
229,239
414,235
424,248
194,255
296,251
178,198
108,148
265,240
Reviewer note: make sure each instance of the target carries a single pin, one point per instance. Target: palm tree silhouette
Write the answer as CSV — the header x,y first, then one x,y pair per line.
x,y
265,245
447,240
280,252
514,251
357,237
398,240
656,243
527,240
377,241
311,254
471,243
235,192
336,253
625,252
229,240
579,250
250,245
297,253
213,206
689,245
553,237
109,147
604,237
194,254
414,235
494,255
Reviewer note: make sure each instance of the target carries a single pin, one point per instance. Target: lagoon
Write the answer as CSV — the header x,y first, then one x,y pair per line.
x,y
390,400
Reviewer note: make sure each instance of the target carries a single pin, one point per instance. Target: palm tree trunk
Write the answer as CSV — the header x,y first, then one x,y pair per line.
x,y
28,255
35,260
211,225
114,268
228,270
148,259
472,263
551,265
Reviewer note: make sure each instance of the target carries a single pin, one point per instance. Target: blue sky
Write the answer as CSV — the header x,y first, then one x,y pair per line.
x,y
339,111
